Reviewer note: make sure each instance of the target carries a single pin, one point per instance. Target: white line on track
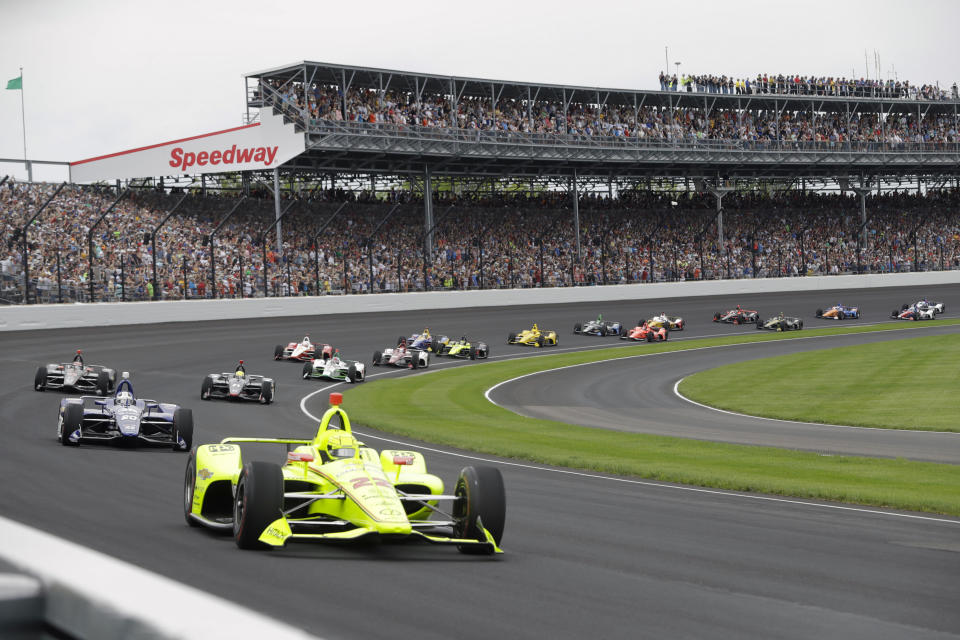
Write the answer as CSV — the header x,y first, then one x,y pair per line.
x,y
642,483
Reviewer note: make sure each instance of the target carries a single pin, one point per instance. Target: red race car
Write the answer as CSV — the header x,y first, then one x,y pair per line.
x,y
648,333
303,351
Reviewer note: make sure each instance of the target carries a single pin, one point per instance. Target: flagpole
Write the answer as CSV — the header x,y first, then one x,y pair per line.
x,y
23,122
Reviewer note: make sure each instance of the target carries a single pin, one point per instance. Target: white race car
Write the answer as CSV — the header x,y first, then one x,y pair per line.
x,y
402,356
335,368
302,351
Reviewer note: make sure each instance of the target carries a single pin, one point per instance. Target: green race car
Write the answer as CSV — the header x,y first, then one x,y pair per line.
x,y
462,348
332,487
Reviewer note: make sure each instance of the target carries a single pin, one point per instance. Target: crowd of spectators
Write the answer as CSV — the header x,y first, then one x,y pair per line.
x,y
520,239
796,85
835,128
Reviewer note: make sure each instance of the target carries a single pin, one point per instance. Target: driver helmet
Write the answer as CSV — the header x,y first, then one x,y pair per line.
x,y
306,340
124,398
535,327
240,373
402,343
339,445
463,338
781,315
426,332
78,357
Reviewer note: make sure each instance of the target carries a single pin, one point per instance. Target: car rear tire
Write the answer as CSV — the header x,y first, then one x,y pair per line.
x,y
541,341
414,360
352,374
103,383
716,317
307,369
480,495
182,428
473,353
511,338
258,502
819,313
759,323
266,392
577,328
40,380
278,352
377,358
72,418
189,484
205,388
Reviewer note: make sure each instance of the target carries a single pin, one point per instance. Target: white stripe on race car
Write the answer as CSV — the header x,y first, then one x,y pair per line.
x,y
86,602
631,481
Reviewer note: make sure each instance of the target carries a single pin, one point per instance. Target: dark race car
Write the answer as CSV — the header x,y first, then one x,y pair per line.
x,y
736,316
463,348
780,323
599,327
647,332
238,385
76,377
839,312
124,419
424,341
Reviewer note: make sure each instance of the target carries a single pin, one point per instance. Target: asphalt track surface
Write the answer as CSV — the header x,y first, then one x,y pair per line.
x,y
586,555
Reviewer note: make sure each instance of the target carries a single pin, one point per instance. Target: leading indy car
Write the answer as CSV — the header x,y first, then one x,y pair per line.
x,y
76,377
534,337
335,368
238,385
124,419
333,488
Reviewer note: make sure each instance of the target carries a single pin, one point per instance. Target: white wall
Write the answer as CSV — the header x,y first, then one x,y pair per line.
x,y
54,316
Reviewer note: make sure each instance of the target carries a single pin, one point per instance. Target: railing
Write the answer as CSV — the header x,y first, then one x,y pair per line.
x,y
599,142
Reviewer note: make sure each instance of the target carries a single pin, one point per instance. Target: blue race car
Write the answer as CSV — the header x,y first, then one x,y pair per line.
x,y
424,341
839,312
124,419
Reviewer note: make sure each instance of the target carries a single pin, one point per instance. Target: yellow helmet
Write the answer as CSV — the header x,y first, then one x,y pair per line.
x,y
338,445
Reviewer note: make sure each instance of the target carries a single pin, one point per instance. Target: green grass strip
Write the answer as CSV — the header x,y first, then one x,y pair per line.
x,y
903,384
449,408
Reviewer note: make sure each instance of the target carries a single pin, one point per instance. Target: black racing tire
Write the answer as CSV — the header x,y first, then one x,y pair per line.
x,y
480,494
414,360
759,323
819,313
258,502
916,316
352,373
266,392
904,307
205,388
800,325
649,336
439,351
623,330
603,330
577,328
307,369
541,341
103,383
40,379
511,338
377,358
189,484
278,352
182,428
717,316
894,314
72,419
473,353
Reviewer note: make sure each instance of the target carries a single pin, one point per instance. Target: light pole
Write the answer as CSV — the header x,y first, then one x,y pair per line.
x,y
677,64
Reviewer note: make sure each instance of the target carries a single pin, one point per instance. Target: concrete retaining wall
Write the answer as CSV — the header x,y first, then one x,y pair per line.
x,y
123,313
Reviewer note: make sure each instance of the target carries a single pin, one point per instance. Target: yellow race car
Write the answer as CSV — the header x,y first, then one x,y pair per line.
x,y
673,323
333,488
534,337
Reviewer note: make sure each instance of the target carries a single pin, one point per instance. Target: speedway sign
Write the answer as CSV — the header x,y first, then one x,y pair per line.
x,y
261,145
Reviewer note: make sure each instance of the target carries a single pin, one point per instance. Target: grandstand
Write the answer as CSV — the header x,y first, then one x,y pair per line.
x,y
529,185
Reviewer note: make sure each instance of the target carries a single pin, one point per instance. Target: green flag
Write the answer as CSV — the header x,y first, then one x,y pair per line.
x,y
16,83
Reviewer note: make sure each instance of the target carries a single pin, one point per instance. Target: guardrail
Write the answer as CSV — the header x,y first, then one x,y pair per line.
x,y
41,316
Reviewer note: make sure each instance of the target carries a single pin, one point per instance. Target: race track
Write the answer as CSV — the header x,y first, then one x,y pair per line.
x,y
587,555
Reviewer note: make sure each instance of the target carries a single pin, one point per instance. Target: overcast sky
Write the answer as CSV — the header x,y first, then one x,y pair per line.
x,y
108,75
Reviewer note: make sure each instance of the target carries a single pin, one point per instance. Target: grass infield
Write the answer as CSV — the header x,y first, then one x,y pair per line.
x,y
903,384
449,408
